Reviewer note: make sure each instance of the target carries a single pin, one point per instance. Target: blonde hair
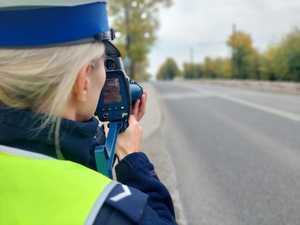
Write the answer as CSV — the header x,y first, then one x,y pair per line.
x,y
42,79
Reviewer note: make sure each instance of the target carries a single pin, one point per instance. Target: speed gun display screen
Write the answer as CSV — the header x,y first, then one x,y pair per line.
x,y
112,91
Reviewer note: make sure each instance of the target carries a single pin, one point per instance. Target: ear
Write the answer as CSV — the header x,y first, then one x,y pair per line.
x,y
82,84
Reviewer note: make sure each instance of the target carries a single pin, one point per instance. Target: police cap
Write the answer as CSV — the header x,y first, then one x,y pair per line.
x,y
29,23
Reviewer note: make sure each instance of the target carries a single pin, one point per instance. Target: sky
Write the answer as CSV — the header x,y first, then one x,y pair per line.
x,y
205,25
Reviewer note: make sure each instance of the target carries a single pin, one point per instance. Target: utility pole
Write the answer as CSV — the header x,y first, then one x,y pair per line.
x,y
234,53
130,64
192,55
127,24
234,29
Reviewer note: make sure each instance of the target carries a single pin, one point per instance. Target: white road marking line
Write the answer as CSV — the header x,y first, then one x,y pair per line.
x,y
176,96
277,112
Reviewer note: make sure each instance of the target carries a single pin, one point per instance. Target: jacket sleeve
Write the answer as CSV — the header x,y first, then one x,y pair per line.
x,y
109,215
137,171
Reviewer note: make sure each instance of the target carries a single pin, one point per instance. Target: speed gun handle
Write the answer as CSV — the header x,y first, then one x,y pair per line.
x,y
105,154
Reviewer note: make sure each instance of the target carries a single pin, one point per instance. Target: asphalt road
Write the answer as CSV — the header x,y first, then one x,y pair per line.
x,y
236,153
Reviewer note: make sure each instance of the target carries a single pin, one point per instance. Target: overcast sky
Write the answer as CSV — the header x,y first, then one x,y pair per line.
x,y
205,25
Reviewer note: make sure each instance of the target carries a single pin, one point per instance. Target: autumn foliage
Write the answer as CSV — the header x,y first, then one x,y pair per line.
x,y
281,61
136,23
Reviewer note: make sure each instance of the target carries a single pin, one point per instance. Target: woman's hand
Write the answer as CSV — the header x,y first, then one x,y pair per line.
x,y
130,141
139,108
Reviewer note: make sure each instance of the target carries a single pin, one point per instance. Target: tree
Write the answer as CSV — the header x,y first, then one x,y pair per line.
x,y
244,56
192,71
168,70
226,68
217,68
288,56
136,22
282,60
208,68
268,67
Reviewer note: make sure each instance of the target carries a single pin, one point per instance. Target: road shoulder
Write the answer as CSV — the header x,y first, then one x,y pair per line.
x,y
157,152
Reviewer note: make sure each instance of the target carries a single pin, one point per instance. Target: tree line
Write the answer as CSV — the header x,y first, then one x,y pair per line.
x,y
281,61
136,23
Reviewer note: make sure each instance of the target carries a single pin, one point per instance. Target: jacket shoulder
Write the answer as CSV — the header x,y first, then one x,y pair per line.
x,y
129,201
128,206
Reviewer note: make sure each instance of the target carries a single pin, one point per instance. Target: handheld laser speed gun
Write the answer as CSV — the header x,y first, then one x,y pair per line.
x,y
118,96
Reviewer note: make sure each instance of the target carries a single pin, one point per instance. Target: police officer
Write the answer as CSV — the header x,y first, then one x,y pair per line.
x,y
52,73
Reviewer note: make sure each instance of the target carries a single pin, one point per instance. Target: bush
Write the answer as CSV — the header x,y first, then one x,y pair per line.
x,y
168,70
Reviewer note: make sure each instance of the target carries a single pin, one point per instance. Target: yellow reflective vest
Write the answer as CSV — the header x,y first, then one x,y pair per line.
x,y
36,189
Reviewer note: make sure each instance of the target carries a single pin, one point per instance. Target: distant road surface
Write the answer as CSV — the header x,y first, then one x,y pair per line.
x,y
236,153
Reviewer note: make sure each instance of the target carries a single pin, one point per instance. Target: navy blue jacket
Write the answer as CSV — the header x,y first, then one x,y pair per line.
x,y
150,202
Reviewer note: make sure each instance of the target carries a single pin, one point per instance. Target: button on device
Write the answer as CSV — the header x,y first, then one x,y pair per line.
x,y
124,115
105,115
122,107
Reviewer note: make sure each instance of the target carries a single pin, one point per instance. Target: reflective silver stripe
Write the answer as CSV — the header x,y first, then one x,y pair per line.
x,y
99,203
20,152
17,3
